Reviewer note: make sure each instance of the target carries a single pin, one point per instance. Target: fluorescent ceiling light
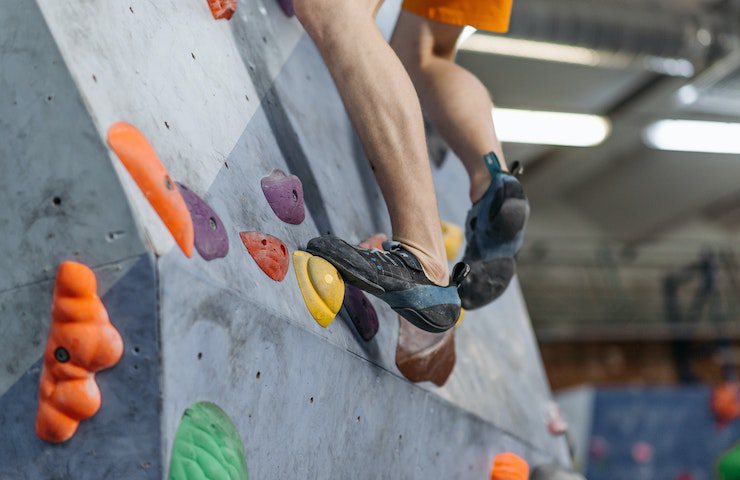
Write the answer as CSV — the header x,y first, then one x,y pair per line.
x,y
515,47
550,128
693,136
556,52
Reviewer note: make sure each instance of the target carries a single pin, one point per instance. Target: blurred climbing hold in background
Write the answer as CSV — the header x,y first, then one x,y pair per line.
x,y
453,237
222,9
81,342
142,162
509,466
287,6
725,402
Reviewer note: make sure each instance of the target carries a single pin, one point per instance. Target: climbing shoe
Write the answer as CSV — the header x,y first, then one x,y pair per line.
x,y
395,276
494,232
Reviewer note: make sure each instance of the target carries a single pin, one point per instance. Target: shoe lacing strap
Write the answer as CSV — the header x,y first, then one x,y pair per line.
x,y
384,256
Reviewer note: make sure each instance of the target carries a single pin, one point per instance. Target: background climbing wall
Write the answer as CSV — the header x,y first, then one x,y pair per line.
x,y
223,103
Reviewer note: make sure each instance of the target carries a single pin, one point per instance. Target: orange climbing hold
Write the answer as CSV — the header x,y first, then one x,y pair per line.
x,y
509,466
222,8
725,402
142,162
270,254
81,342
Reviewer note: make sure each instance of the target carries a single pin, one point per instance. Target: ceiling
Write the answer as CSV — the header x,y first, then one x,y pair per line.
x,y
610,223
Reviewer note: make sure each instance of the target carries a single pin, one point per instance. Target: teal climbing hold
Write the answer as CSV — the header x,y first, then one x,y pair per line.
x,y
207,446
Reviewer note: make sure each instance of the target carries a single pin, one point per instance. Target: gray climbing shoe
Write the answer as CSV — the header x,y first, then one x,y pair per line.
x,y
395,276
494,232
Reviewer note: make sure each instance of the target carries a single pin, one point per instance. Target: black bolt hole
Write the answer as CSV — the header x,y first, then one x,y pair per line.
x,y
295,196
200,355
56,201
212,223
137,350
259,375
282,249
61,354
310,400
264,242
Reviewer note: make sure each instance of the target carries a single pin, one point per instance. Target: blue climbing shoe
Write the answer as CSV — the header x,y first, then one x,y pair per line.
x,y
395,276
494,233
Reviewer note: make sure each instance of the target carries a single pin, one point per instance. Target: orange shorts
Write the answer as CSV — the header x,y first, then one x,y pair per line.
x,y
490,15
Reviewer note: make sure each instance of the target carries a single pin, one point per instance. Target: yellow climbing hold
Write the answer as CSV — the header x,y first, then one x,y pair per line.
x,y
453,238
460,317
321,286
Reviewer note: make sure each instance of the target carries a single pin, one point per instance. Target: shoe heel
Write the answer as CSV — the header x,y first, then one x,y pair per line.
x,y
459,272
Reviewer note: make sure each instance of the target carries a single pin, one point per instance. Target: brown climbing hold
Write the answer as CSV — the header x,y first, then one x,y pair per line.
x,y
81,342
222,9
375,241
142,162
269,252
423,356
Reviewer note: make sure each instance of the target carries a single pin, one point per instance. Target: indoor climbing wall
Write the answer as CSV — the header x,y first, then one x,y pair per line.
x,y
187,160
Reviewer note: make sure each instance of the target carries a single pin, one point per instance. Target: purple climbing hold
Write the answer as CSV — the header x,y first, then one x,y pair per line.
x,y
211,240
287,6
284,193
361,311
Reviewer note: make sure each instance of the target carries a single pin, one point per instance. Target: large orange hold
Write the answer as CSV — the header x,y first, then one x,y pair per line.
x,y
509,466
222,8
142,162
81,342
270,254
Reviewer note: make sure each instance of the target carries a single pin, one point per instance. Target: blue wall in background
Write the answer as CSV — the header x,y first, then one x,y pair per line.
x,y
677,423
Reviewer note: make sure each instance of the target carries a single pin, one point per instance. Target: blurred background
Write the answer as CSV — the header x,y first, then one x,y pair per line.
x,y
630,265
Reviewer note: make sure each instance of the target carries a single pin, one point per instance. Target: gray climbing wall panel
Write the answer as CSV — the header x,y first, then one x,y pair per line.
x,y
223,103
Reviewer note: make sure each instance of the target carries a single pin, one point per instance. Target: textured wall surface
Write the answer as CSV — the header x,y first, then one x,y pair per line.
x,y
223,103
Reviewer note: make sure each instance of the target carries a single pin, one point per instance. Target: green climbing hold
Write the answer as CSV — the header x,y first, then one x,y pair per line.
x,y
207,446
728,467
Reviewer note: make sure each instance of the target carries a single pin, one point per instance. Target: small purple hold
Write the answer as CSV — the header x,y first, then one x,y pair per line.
x,y
284,193
361,311
211,240
287,6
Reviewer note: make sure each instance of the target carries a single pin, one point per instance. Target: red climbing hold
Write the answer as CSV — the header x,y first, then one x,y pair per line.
x,y
361,311
222,8
81,342
284,193
269,252
287,6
